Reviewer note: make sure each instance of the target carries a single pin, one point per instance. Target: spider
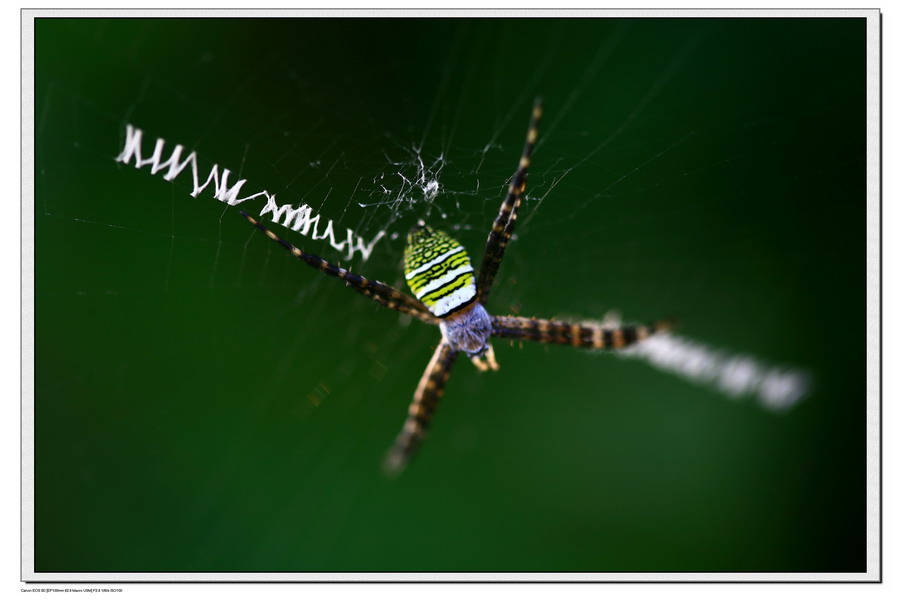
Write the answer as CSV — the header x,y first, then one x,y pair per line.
x,y
447,294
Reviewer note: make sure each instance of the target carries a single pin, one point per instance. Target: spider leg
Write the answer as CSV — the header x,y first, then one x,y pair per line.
x,y
488,362
379,292
503,226
425,401
582,335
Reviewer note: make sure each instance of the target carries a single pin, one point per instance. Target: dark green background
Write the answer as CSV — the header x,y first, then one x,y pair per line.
x,y
205,403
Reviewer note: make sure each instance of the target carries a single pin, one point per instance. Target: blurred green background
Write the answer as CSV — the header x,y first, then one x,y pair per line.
x,y
203,402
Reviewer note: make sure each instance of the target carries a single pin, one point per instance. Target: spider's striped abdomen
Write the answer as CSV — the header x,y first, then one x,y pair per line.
x,y
438,271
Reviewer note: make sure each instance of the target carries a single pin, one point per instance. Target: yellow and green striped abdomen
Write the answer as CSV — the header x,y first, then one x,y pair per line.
x,y
438,271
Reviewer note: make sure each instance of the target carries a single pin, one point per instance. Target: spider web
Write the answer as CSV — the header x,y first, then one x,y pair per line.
x,y
413,174
645,200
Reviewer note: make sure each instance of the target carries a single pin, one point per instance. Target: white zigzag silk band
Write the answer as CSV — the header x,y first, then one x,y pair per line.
x,y
301,218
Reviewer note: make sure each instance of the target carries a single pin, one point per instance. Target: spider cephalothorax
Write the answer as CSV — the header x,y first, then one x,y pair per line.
x,y
469,330
448,294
